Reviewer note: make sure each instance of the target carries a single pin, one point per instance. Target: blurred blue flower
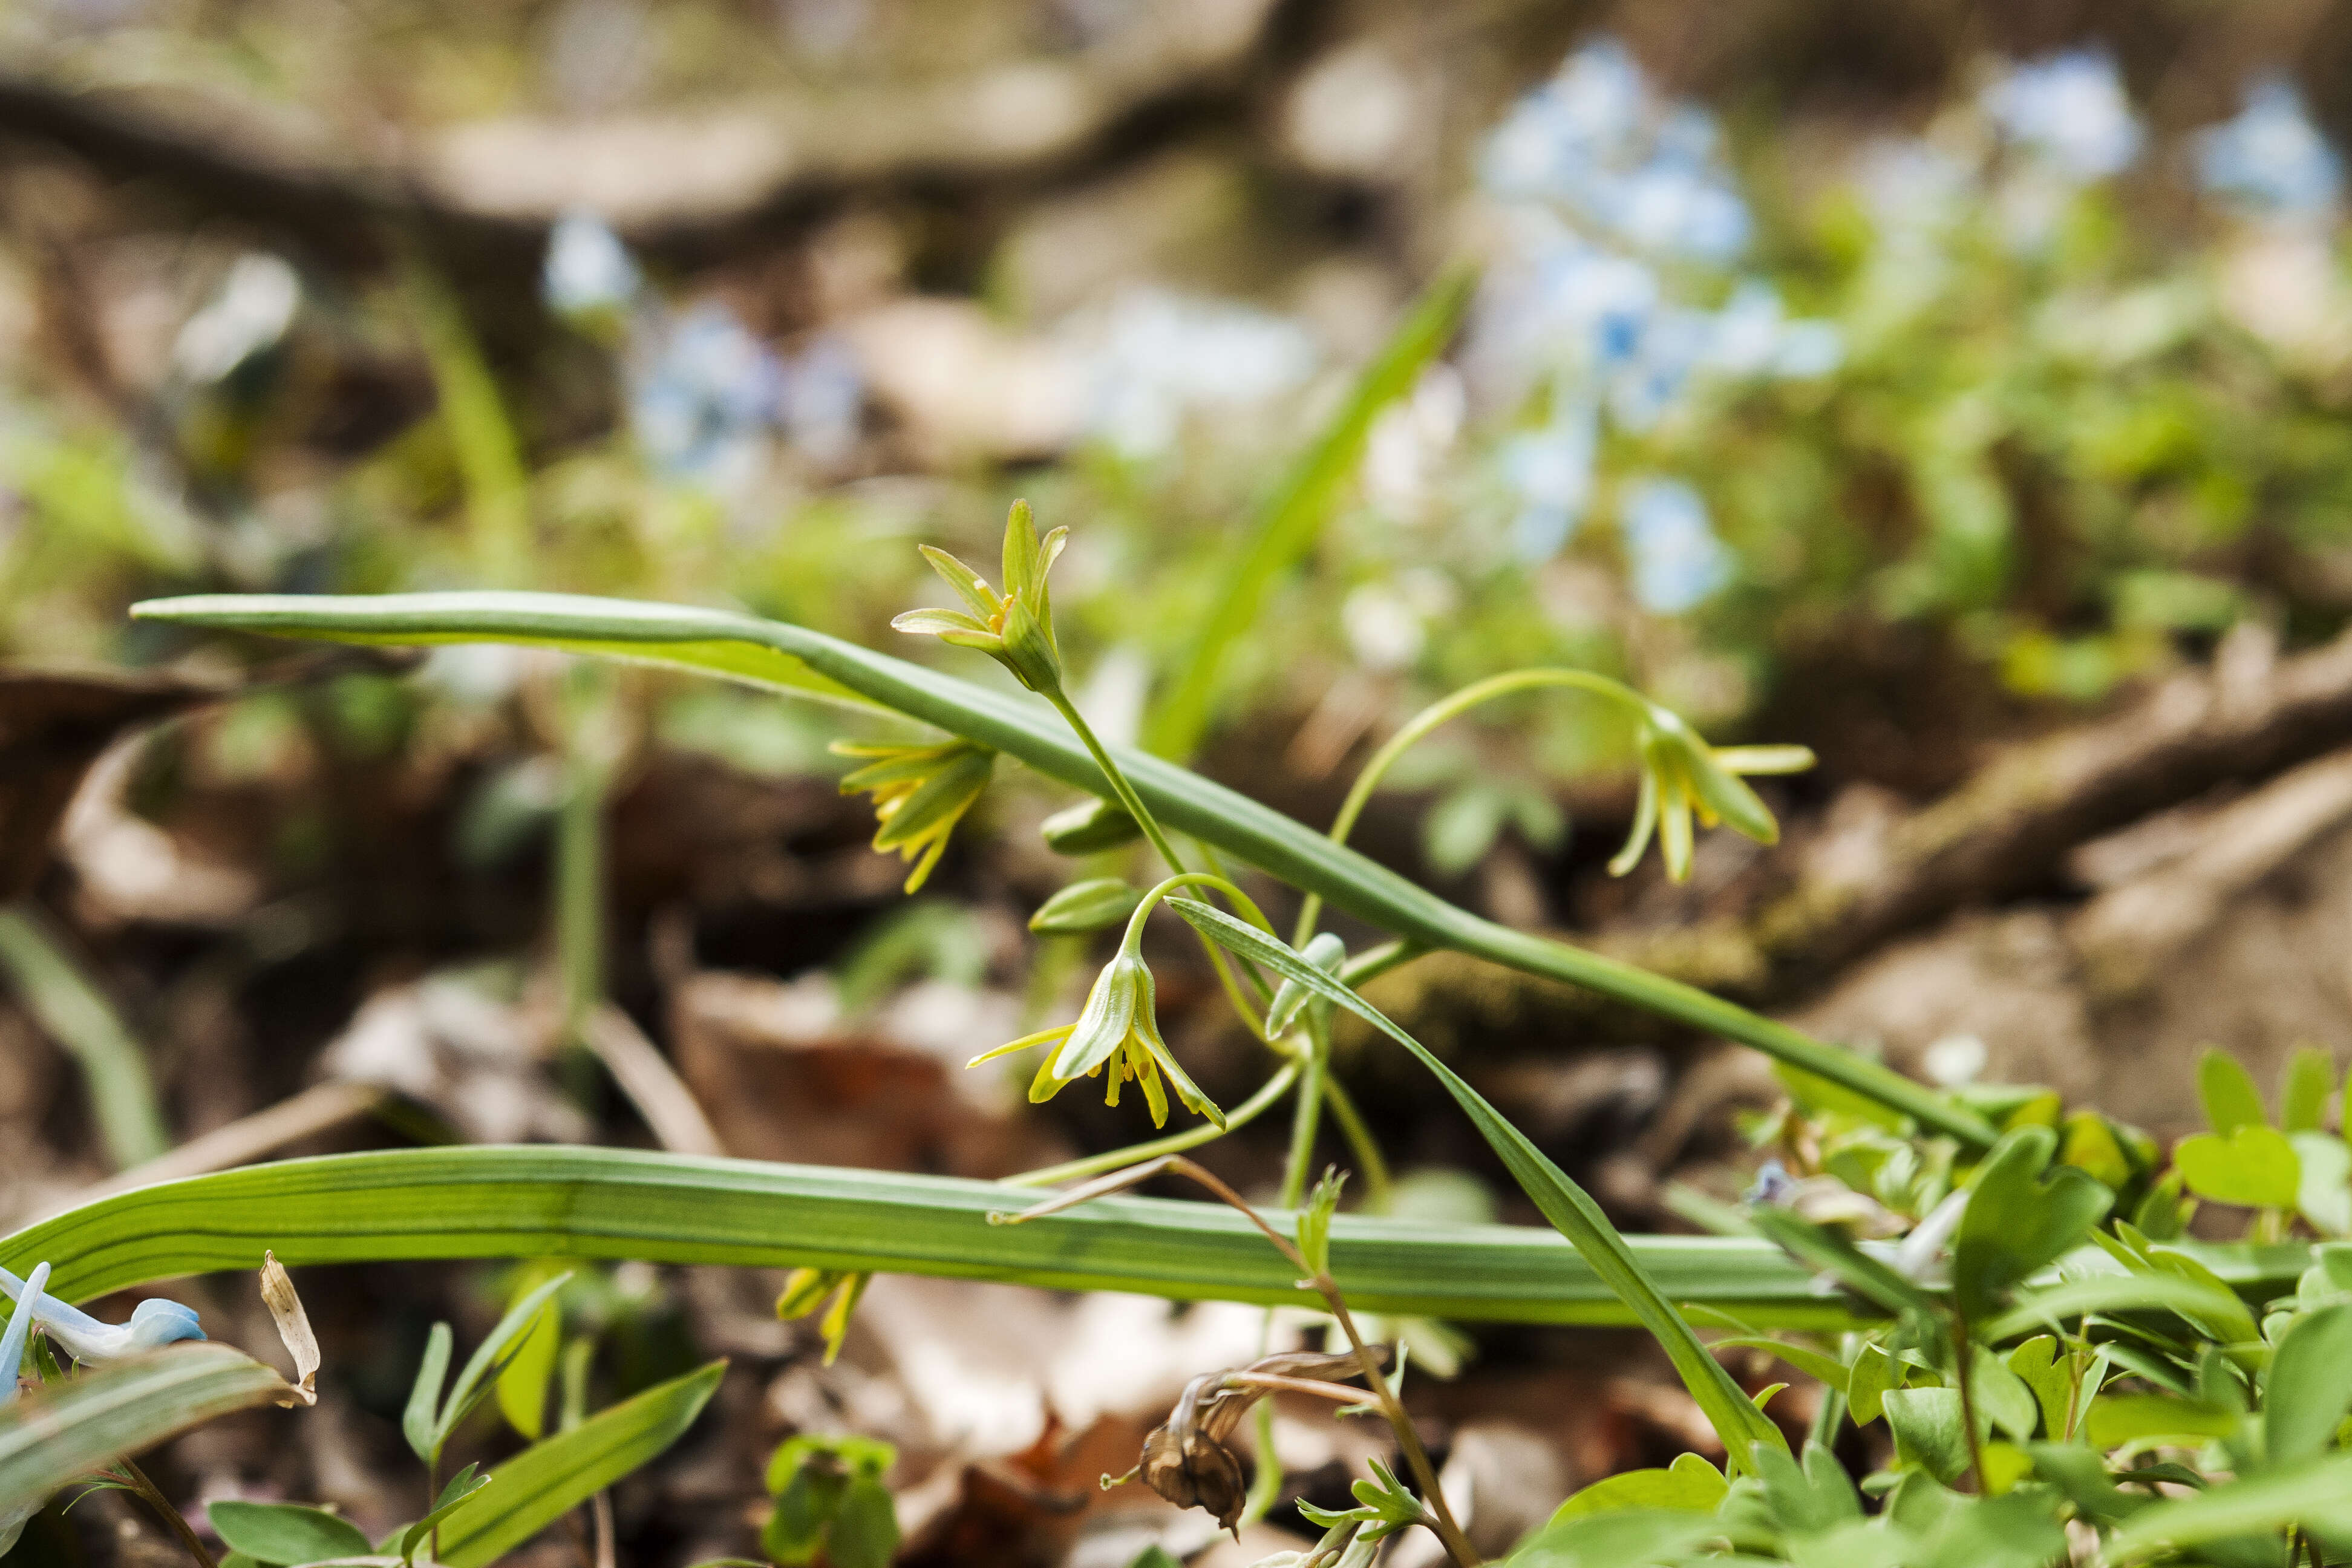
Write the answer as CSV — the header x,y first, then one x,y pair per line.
x,y
1677,561
1550,472
705,404
2271,156
1585,116
1595,143
1772,1184
1753,336
824,397
2070,111
245,319
1586,307
12,1361
1910,187
155,1322
589,271
1675,344
1158,356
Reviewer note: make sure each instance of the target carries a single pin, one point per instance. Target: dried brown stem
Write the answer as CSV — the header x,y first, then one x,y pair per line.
x,y
1440,1517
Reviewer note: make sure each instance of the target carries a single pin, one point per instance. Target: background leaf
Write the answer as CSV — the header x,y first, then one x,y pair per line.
x,y
793,659
62,1430
2310,1385
2227,1091
2255,1167
1736,1421
538,1485
284,1533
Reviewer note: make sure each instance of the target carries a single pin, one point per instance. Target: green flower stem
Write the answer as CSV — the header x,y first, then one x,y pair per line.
x,y
580,853
38,963
1372,1166
1305,1117
1447,707
1125,794
1248,1110
806,663
1123,791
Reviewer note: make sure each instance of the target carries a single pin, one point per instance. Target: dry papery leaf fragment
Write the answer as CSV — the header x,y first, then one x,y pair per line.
x,y
285,1307
1190,1459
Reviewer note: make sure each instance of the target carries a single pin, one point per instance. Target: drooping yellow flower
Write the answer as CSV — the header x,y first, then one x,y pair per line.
x,y
1117,1033
921,792
1681,775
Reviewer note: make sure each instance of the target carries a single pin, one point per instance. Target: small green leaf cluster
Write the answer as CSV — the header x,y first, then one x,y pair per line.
x,y
2049,1362
831,1500
476,1518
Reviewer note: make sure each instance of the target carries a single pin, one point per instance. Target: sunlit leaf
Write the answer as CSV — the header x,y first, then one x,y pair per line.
x,y
548,1479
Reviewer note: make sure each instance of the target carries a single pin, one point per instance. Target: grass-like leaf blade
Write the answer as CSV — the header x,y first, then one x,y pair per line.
x,y
544,1481
67,1429
793,659
557,1202
1294,514
1569,1207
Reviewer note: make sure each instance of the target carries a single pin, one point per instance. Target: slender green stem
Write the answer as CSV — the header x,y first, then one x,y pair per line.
x,y
1964,1378
796,661
75,1013
1135,807
1265,1481
1372,1165
1305,1115
1119,786
1829,1416
135,1481
1452,706
579,854
1248,1110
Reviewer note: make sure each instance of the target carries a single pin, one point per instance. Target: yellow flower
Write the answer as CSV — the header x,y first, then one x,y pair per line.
x,y
921,792
1681,774
1015,627
1117,1033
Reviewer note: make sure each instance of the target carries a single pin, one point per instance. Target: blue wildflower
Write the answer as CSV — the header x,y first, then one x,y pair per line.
x,y
1596,144
707,401
589,273
1589,306
823,396
1754,336
1676,559
12,1360
2271,156
1550,472
1772,1184
155,1322
1160,356
2070,111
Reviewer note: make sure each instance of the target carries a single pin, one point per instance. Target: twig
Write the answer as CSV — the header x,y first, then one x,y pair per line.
x,y
682,182
134,1479
305,1115
652,1085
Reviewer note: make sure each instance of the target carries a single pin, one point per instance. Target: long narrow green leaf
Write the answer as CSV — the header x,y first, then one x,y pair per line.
x,y
78,1016
71,1428
1569,1207
2316,1492
2112,1293
554,1202
407,1205
539,1485
793,659
1294,512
